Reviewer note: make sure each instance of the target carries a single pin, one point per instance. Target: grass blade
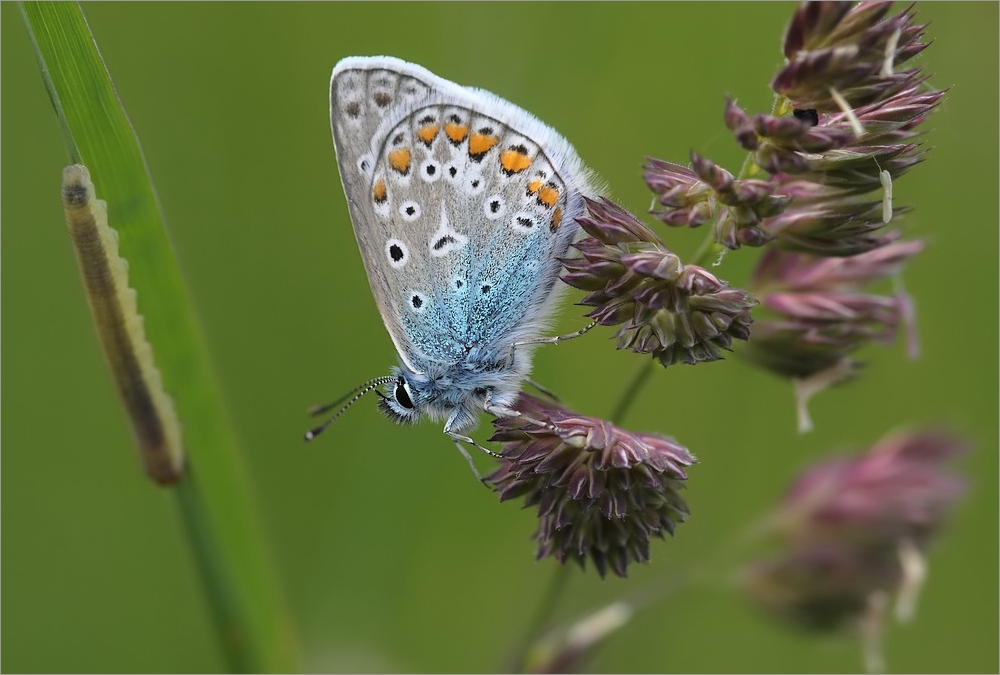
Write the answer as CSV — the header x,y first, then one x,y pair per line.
x,y
214,498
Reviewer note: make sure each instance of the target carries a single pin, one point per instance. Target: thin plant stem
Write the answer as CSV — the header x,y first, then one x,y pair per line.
x,y
543,613
706,253
631,392
557,582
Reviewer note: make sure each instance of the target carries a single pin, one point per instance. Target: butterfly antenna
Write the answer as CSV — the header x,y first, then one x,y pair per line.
x,y
353,395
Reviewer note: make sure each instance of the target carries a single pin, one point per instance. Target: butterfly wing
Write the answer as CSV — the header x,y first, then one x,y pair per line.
x,y
461,203
363,93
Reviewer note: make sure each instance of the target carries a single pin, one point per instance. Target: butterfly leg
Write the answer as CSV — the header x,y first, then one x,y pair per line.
x,y
506,411
459,440
468,458
543,390
557,339
545,340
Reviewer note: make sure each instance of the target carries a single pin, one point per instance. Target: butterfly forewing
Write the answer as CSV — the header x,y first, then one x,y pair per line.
x,y
459,207
362,98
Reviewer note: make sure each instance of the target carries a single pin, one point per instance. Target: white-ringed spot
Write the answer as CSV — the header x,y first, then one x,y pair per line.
x,y
418,302
397,253
494,207
523,222
409,210
430,170
474,184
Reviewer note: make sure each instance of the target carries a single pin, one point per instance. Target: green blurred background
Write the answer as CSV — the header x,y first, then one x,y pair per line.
x,y
390,555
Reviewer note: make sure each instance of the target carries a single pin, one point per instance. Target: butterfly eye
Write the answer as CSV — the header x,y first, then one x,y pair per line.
x,y
402,394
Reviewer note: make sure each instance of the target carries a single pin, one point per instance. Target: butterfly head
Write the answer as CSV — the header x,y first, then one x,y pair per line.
x,y
455,394
397,402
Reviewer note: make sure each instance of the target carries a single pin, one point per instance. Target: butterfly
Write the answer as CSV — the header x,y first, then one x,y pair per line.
x,y
462,204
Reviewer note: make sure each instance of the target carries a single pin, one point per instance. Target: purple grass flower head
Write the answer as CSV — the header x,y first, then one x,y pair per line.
x,y
819,313
900,489
601,491
843,126
680,189
820,588
676,312
853,532
707,193
854,50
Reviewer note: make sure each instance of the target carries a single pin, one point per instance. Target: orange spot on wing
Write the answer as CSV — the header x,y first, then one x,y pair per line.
x,y
456,132
378,192
548,196
400,160
534,186
556,217
513,161
427,133
480,144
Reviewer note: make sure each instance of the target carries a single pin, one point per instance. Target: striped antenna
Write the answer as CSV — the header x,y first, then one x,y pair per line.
x,y
353,395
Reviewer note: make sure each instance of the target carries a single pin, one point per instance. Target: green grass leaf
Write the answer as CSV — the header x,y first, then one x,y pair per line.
x,y
214,497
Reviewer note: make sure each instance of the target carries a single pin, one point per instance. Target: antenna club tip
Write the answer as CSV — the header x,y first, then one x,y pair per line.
x,y
354,395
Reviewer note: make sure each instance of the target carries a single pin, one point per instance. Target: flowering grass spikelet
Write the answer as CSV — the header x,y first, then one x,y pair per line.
x,y
853,530
818,313
844,125
676,312
601,491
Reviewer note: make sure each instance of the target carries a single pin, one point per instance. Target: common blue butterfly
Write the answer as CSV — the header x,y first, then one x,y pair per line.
x,y
462,204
